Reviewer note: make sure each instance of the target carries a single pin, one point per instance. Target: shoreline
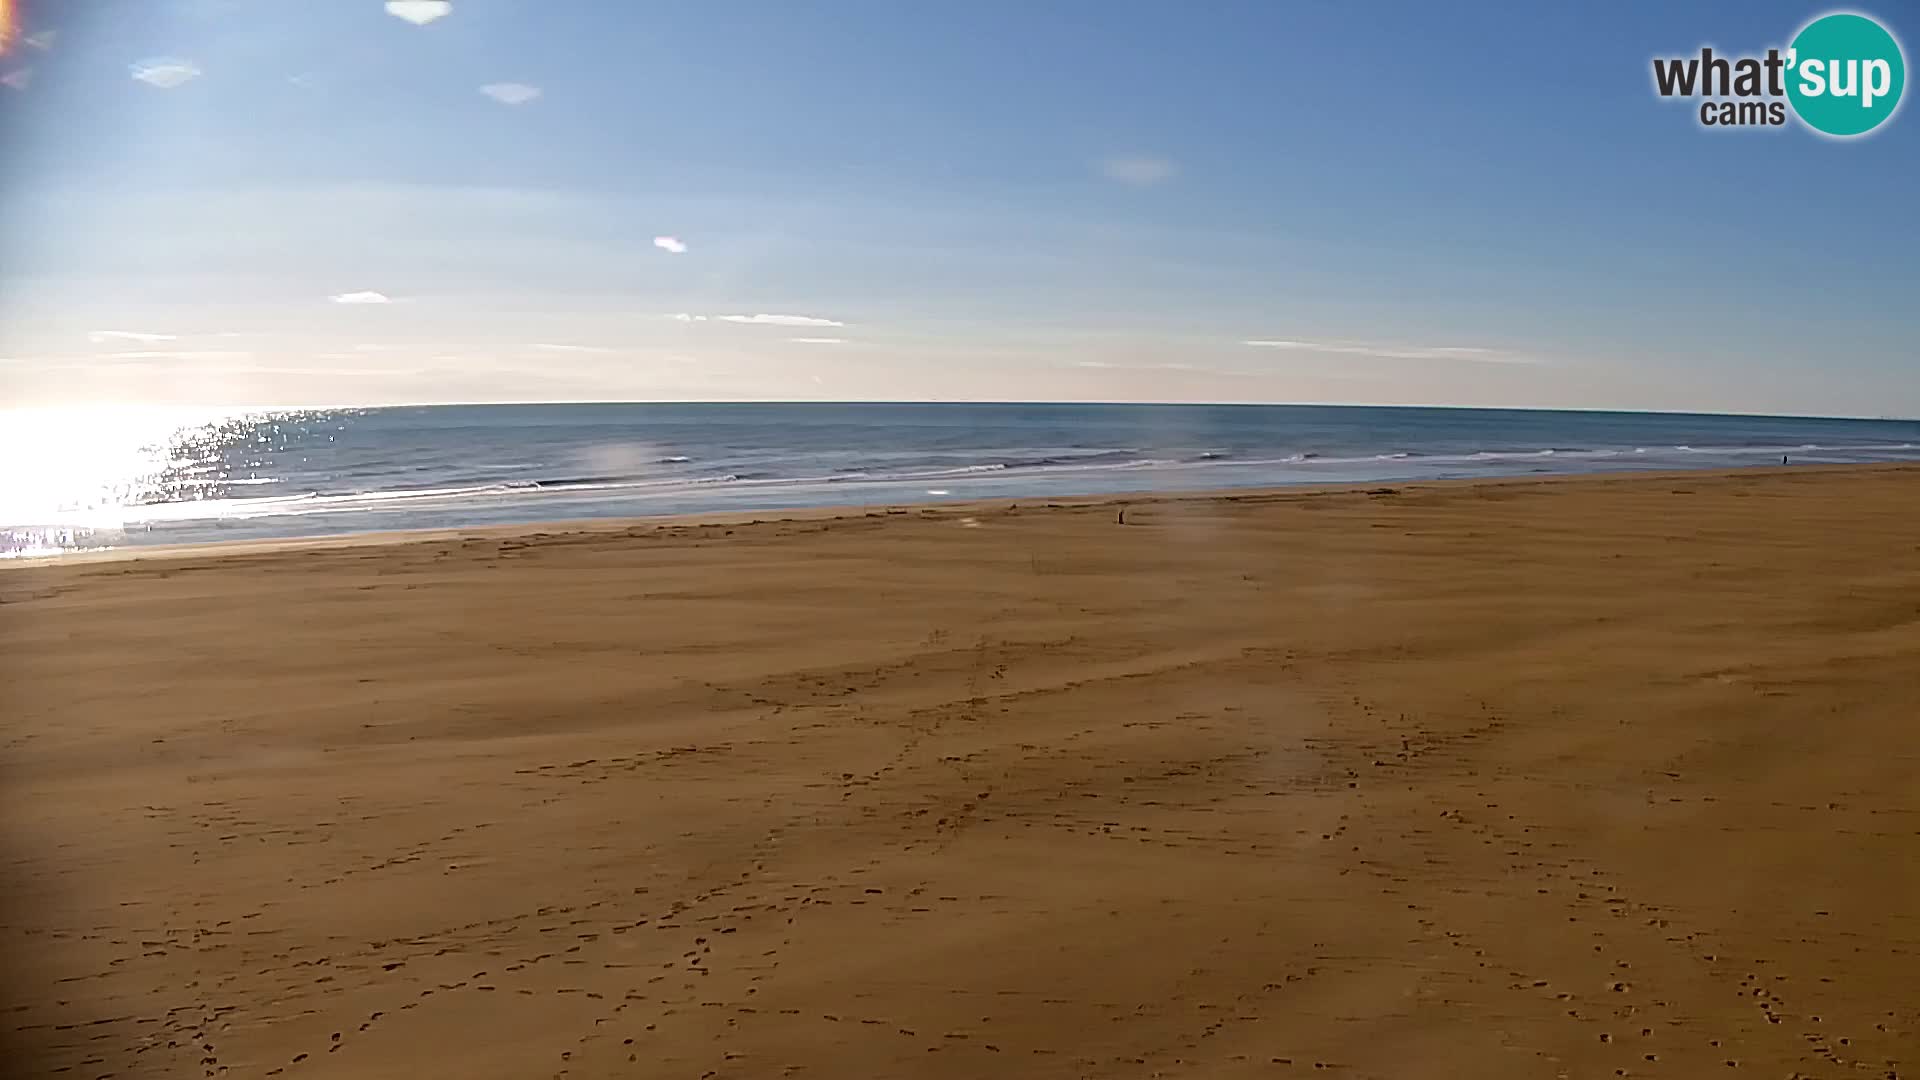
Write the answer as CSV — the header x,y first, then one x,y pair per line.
x,y
593,526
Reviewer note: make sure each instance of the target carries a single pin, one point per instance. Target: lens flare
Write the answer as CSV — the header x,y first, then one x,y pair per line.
x,y
9,25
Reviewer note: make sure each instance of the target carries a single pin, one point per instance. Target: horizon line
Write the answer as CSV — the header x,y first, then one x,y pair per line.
x,y
957,402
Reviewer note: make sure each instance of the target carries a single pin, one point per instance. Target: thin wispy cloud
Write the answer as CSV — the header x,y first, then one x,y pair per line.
x,y
780,320
181,354
419,12
818,340
165,72
1102,365
331,368
511,93
17,80
763,319
1472,353
100,336
672,245
545,346
365,296
1138,170
411,346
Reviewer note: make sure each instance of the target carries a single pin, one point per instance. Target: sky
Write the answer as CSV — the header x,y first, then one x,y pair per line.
x,y
285,202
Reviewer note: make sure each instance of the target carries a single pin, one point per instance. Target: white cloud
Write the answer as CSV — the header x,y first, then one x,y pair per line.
x,y
818,340
42,40
1474,353
366,296
764,320
1138,171
511,93
165,72
672,245
780,320
99,336
17,80
549,347
419,12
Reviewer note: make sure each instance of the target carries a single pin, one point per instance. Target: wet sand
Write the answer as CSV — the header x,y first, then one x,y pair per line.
x,y
1595,777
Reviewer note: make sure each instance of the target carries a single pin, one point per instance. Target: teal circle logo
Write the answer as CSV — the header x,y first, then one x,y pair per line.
x,y
1845,73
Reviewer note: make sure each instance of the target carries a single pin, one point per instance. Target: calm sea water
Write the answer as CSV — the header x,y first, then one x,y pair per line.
x,y
76,480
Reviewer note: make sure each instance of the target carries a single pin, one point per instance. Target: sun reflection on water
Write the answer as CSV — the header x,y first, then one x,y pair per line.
x,y
79,478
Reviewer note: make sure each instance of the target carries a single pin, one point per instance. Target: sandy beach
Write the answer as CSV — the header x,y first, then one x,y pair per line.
x,y
1607,776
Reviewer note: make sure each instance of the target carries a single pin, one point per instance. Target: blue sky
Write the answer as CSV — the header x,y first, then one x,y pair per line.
x,y
1079,200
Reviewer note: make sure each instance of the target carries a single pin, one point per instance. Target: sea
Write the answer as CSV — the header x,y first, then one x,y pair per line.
x,y
75,480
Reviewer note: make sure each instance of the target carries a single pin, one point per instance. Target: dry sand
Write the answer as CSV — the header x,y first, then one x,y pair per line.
x,y
1600,777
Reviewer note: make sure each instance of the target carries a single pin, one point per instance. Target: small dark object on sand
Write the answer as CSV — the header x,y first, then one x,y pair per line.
x,y
1121,517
